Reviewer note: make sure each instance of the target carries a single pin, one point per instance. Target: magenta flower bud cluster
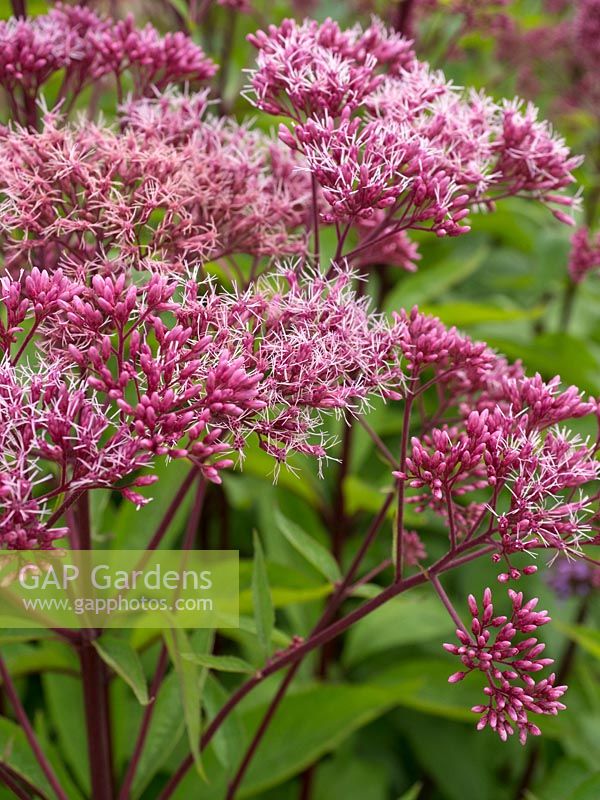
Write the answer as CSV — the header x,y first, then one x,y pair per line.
x,y
505,651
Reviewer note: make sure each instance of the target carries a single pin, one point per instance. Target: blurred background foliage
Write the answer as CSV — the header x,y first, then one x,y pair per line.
x,y
384,724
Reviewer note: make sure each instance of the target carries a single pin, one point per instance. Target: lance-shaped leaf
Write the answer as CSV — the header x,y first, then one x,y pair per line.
x,y
309,548
261,595
123,659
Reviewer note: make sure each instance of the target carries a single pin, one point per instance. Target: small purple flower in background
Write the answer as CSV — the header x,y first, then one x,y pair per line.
x,y
573,578
414,549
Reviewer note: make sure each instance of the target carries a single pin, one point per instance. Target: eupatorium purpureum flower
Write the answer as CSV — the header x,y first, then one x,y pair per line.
x,y
308,69
389,133
169,367
87,47
97,199
505,440
585,254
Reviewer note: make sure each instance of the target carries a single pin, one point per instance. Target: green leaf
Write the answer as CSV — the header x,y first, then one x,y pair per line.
x,y
439,751
16,753
16,635
308,547
64,701
566,774
294,741
416,617
588,790
464,313
362,496
49,655
260,464
229,741
412,793
422,684
308,724
556,354
54,757
346,775
430,283
166,728
190,685
264,614
587,638
247,631
288,585
132,528
219,663
123,659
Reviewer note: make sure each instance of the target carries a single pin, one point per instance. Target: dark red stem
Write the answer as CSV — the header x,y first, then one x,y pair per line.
x,y
297,652
25,724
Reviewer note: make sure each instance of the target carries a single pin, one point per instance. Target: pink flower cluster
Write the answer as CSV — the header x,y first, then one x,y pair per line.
x,y
86,48
54,438
586,32
509,656
385,135
115,355
310,69
569,37
585,254
182,192
135,371
505,439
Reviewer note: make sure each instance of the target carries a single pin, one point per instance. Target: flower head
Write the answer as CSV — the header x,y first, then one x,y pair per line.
x,y
315,69
147,196
381,131
585,254
504,650
141,370
88,47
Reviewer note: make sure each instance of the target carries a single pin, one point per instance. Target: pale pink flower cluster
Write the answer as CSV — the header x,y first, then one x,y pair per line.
x,y
183,192
54,438
505,651
540,480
